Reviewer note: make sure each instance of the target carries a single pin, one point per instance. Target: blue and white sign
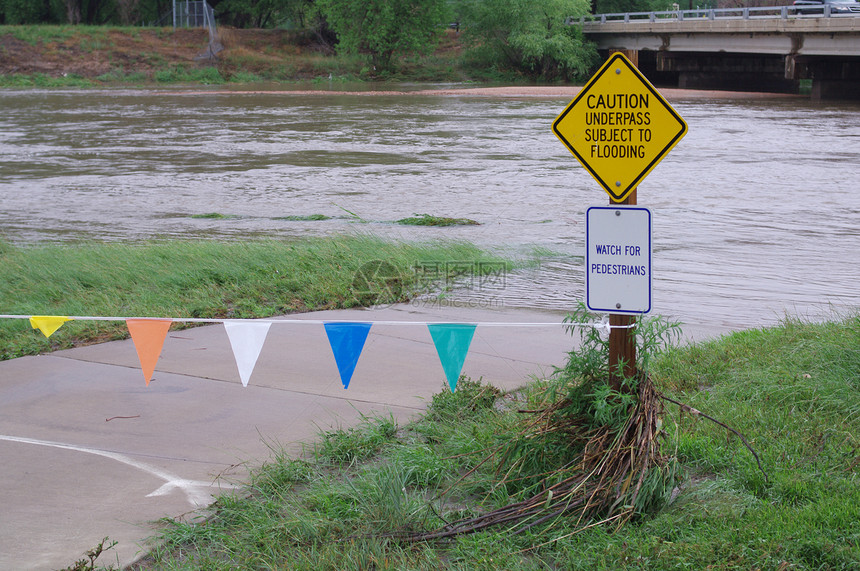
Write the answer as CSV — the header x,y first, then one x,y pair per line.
x,y
618,259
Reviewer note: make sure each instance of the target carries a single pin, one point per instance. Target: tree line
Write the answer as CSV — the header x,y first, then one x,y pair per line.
x,y
241,13
530,37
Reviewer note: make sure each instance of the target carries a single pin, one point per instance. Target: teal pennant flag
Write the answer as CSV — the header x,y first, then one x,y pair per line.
x,y
452,342
347,341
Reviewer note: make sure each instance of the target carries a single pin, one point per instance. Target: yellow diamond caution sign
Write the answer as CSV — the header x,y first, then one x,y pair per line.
x,y
619,127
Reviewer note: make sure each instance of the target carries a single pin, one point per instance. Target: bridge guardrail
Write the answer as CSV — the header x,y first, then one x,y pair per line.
x,y
771,12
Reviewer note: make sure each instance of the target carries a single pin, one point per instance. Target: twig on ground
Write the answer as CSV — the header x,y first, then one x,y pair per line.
x,y
688,409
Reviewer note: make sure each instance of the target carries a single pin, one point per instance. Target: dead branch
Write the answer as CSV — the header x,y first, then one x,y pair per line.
x,y
688,409
604,482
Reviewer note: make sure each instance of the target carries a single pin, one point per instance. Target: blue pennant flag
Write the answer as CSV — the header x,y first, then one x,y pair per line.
x,y
347,341
452,342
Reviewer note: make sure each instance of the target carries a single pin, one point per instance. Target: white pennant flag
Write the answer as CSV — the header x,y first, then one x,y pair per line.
x,y
246,338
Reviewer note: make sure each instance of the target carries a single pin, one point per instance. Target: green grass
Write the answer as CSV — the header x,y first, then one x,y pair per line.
x,y
182,74
121,76
430,220
42,80
289,217
793,390
205,279
245,77
213,216
351,445
44,34
303,218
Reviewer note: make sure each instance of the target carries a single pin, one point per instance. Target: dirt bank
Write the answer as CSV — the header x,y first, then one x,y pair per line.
x,y
104,55
109,56
59,51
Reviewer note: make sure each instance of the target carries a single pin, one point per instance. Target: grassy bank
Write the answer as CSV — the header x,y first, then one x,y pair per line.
x,y
794,391
91,56
202,279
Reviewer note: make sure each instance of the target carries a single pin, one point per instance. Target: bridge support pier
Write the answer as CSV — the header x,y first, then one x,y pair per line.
x,y
832,77
823,89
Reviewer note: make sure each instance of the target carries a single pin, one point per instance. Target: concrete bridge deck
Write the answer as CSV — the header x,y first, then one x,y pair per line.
x,y
768,49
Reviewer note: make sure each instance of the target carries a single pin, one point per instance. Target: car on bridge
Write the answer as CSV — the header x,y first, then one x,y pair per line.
x,y
836,6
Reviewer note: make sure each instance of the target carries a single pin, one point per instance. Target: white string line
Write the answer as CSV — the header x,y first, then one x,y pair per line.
x,y
602,325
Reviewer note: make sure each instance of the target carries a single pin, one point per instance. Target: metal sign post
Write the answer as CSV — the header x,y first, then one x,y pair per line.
x,y
622,339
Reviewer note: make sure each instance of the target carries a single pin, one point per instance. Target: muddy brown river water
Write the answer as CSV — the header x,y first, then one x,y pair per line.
x,y
756,211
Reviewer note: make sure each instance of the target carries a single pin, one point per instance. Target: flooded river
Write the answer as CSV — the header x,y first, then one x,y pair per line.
x,y
756,212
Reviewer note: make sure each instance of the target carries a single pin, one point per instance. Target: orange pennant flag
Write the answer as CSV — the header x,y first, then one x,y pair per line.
x,y
148,336
48,324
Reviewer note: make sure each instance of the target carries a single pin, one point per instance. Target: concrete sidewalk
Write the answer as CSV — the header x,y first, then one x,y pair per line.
x,y
90,452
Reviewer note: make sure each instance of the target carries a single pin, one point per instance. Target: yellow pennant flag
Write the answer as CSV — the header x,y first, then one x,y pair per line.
x,y
48,324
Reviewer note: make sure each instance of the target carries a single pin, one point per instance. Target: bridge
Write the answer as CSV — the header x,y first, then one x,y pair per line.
x,y
741,49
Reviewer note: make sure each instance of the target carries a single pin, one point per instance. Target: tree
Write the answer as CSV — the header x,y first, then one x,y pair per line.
x,y
26,11
90,12
382,29
262,13
149,11
93,12
128,11
529,36
244,13
621,6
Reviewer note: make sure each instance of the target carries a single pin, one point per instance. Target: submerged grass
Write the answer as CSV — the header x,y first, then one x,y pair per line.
x,y
792,390
431,220
213,216
303,217
204,279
